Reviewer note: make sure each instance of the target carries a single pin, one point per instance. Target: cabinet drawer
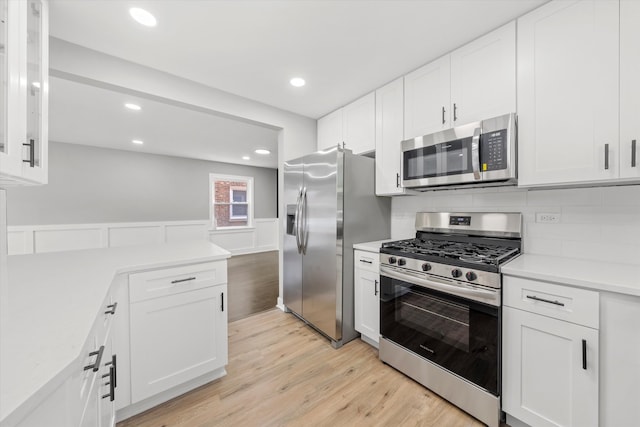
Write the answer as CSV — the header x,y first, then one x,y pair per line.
x,y
574,305
170,281
369,261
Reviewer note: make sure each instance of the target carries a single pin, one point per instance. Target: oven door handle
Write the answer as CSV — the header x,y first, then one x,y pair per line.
x,y
438,286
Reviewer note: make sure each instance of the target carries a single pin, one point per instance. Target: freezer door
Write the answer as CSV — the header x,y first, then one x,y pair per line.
x,y
292,253
322,241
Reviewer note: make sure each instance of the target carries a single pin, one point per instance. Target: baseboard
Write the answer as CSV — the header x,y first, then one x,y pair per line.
x,y
280,305
369,341
158,399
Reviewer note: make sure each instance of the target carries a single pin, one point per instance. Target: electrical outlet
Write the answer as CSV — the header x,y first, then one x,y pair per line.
x,y
549,218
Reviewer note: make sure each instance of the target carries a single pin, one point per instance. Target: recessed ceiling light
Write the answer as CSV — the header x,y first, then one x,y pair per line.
x,y
246,158
133,107
262,151
297,82
143,17
137,141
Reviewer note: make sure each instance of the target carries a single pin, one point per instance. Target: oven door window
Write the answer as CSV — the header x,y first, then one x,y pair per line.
x,y
460,335
450,158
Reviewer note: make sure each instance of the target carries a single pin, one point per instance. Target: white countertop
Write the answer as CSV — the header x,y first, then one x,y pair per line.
x,y
52,302
371,246
597,275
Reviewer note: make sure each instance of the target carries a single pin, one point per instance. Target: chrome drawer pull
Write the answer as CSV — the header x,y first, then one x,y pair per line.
x,y
368,262
173,282
112,307
533,297
584,354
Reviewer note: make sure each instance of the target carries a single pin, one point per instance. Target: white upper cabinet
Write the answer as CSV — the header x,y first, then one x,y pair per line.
x,y
24,90
353,125
483,77
427,98
474,82
629,89
330,130
359,124
568,93
389,134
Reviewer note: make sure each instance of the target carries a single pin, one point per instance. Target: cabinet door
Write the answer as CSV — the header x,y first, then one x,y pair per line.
x,y
359,124
389,135
427,98
367,295
483,77
330,130
176,338
629,89
544,380
568,93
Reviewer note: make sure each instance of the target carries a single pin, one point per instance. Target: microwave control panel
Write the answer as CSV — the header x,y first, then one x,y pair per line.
x,y
493,150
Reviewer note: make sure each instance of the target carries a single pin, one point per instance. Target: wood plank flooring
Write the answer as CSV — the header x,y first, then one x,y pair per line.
x,y
283,373
252,284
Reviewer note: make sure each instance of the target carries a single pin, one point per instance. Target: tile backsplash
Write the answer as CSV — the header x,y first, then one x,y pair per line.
x,y
599,223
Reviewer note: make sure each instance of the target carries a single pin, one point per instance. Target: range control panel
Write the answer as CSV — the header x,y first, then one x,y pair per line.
x,y
493,150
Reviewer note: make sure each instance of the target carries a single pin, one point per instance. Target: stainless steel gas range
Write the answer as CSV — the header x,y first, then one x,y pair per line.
x,y
440,305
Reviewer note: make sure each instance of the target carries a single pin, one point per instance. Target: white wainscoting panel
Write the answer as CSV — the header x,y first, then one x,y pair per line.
x,y
27,239
67,240
131,236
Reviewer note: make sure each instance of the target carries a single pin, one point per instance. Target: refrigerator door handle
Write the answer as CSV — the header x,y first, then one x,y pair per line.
x,y
305,231
297,221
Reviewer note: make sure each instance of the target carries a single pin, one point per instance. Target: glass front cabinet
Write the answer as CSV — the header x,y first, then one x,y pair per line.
x,y
24,88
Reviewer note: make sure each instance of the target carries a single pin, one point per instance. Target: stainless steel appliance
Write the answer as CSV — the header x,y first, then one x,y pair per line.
x,y
330,205
440,306
481,153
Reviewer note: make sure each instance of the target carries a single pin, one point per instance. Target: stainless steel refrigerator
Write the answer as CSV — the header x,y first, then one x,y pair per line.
x,y
331,204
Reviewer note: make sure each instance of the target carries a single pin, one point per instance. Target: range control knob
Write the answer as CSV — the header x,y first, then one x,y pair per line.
x,y
402,261
456,273
426,266
471,276
392,260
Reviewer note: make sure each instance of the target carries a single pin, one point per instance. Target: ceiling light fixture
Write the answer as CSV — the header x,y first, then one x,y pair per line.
x,y
246,158
143,17
36,85
133,107
137,141
297,82
262,151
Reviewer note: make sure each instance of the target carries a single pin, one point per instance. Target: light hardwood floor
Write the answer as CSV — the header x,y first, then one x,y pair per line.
x,y
283,373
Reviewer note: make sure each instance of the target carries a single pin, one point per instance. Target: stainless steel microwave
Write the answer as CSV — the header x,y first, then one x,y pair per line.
x,y
482,153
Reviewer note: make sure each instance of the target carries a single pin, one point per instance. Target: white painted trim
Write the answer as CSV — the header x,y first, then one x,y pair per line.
x,y
29,239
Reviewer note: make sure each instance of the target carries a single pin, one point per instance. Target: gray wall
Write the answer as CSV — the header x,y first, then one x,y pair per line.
x,y
94,185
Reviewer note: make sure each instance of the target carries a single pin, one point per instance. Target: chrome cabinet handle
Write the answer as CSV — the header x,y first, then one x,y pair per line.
x,y
548,301
443,111
111,383
584,354
112,307
375,287
173,282
633,153
222,302
397,180
455,112
32,153
367,261
96,365
606,156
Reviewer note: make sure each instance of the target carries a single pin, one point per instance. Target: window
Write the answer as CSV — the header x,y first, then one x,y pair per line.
x,y
231,201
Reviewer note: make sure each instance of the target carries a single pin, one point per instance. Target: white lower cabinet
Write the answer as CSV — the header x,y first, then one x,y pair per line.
x,y
550,363
367,295
177,338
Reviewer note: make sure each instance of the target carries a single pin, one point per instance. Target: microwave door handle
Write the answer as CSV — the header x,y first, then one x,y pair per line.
x,y
475,153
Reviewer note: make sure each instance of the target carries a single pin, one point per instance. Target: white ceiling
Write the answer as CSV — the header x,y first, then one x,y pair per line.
x,y
343,48
88,115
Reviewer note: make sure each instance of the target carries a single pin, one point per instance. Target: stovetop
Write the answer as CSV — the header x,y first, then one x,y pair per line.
x,y
482,253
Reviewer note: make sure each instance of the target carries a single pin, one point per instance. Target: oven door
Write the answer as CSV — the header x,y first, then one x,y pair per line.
x,y
460,335
448,157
